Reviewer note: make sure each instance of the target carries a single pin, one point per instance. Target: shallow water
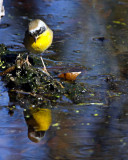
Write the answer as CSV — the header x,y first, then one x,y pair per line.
x,y
88,35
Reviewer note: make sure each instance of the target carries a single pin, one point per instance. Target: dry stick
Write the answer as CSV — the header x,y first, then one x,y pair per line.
x,y
8,70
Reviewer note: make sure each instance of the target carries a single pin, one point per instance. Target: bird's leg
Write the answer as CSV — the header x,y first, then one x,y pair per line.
x,y
44,69
27,61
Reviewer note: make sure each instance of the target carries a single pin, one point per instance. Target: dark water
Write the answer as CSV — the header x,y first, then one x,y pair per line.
x,y
88,34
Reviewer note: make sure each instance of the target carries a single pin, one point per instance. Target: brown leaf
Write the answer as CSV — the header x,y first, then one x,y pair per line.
x,y
71,76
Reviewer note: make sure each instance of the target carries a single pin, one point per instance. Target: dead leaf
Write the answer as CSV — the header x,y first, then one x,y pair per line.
x,y
71,76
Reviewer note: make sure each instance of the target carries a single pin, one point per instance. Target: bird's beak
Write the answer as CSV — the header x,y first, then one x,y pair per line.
x,y
35,38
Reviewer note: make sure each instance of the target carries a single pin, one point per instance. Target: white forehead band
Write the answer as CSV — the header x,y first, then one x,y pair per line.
x,y
40,24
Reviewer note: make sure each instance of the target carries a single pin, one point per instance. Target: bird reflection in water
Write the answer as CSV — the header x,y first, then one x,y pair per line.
x,y
38,122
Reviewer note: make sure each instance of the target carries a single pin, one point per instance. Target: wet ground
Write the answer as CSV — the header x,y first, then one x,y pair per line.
x,y
89,35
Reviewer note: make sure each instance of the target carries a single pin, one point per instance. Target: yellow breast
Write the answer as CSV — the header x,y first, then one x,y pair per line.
x,y
42,43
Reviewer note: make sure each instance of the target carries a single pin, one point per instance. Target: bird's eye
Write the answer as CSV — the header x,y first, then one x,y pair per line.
x,y
30,34
42,29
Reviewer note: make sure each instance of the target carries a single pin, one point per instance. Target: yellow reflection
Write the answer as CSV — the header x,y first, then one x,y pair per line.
x,y
43,119
38,121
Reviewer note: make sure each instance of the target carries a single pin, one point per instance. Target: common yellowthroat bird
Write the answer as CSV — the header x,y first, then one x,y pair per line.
x,y
38,38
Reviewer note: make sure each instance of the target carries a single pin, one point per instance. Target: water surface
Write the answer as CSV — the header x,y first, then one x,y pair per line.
x,y
88,35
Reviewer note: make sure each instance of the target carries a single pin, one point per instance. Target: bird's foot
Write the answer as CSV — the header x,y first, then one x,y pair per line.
x,y
27,61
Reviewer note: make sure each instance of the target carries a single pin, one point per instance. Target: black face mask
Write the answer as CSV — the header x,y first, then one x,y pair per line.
x,y
37,32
